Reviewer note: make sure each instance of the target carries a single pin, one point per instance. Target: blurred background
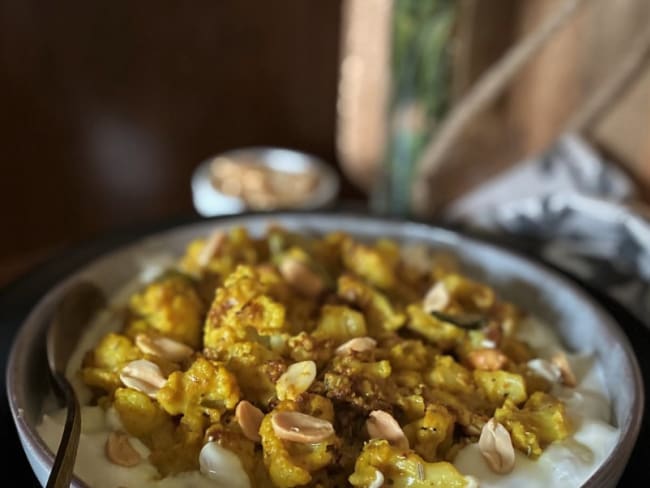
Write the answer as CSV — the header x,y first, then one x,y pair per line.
x,y
108,107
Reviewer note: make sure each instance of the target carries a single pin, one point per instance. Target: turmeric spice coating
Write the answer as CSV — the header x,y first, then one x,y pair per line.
x,y
324,361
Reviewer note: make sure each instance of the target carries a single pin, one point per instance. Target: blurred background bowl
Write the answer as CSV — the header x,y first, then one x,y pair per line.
x,y
263,178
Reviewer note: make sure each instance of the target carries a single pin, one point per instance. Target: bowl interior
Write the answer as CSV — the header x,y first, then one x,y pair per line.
x,y
583,324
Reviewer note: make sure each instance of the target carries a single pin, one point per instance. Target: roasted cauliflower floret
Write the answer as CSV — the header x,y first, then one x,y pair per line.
x,y
244,302
397,468
201,394
410,354
440,333
432,435
172,307
221,252
362,385
376,264
255,367
381,316
173,448
499,386
305,347
466,295
101,366
542,420
143,417
339,323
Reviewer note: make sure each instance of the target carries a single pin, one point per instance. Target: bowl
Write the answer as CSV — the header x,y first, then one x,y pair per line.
x,y
260,179
582,323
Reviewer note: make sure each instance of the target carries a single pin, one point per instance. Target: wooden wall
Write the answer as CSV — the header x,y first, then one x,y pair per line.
x,y
108,106
567,73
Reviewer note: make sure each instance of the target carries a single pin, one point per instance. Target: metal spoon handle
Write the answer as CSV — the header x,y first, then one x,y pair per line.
x,y
62,470
77,307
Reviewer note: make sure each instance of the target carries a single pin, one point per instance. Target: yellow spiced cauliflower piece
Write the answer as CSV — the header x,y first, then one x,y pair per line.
x,y
307,347
432,435
284,471
440,333
255,367
142,416
410,354
101,366
172,307
339,323
542,420
201,394
449,375
402,469
244,301
235,248
499,386
467,295
375,264
174,448
408,359
364,385
381,316
411,405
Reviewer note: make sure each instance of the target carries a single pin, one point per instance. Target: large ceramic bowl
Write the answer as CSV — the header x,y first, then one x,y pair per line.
x,y
582,323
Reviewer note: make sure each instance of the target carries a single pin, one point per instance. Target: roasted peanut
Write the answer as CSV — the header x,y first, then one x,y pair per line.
x,y
358,344
436,299
249,418
163,347
382,425
300,427
119,450
144,376
301,277
560,360
496,447
212,246
295,380
487,359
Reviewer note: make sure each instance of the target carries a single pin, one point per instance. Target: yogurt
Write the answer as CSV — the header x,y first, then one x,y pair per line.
x,y
564,463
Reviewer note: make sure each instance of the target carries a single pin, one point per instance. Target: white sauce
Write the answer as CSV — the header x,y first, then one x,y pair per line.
x,y
567,463
222,466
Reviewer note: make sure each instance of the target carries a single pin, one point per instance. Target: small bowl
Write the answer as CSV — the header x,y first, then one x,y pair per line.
x,y
582,323
263,178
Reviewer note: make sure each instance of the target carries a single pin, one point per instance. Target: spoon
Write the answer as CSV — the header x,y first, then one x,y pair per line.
x,y
74,312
